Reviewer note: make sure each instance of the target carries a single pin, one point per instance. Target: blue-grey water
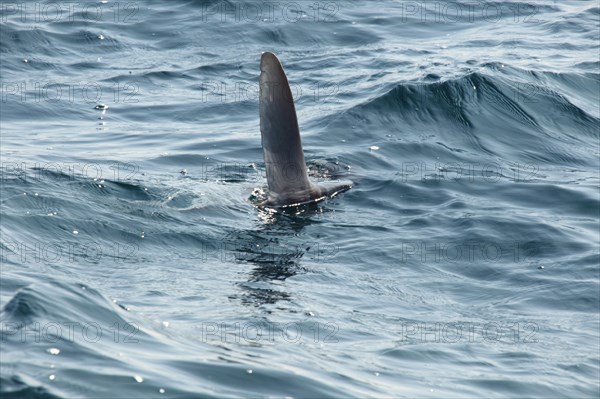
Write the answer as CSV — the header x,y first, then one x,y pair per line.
x,y
463,263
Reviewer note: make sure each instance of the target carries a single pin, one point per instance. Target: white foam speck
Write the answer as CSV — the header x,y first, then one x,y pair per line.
x,y
138,378
53,351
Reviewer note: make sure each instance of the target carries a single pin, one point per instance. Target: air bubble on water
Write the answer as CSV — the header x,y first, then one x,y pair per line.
x,y
161,390
51,377
53,351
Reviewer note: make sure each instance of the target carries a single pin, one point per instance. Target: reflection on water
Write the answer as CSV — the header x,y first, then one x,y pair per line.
x,y
274,251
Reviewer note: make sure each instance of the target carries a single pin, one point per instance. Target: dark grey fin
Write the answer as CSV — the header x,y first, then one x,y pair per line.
x,y
284,158
317,193
333,188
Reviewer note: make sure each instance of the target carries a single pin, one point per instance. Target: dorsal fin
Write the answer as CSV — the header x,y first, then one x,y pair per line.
x,y
284,158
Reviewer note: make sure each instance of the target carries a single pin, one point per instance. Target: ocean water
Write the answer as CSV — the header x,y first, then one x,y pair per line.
x,y
463,262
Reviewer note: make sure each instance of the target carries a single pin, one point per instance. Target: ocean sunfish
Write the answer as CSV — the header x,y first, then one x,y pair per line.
x,y
287,176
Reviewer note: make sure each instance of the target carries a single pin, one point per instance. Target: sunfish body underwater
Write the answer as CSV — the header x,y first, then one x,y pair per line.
x,y
287,176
